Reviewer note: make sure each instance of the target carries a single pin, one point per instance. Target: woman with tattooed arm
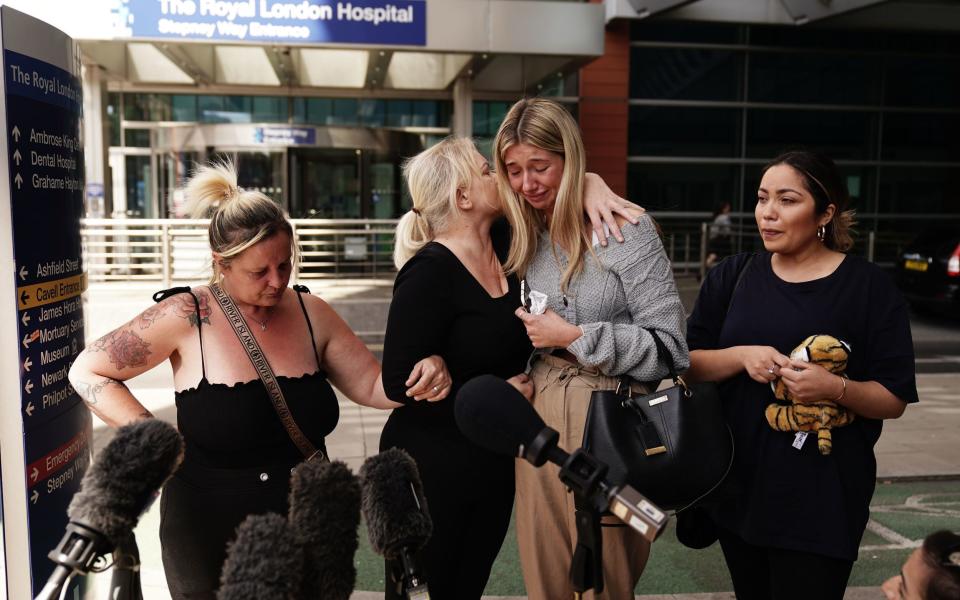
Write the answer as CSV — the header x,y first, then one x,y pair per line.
x,y
238,452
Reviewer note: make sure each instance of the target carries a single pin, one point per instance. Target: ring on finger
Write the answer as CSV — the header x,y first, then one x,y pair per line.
x,y
436,388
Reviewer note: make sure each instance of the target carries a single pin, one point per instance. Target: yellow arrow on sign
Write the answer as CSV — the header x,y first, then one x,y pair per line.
x,y
58,290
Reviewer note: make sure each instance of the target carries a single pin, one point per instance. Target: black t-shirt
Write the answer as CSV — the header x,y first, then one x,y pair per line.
x,y
439,308
778,496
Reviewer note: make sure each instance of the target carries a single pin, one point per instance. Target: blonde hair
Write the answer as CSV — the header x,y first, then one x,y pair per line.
x,y
433,178
238,218
547,125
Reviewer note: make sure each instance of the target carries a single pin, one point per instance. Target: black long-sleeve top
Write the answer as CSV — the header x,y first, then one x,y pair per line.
x,y
439,308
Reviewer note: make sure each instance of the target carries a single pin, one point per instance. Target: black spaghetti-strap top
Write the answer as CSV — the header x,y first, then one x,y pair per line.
x,y
236,426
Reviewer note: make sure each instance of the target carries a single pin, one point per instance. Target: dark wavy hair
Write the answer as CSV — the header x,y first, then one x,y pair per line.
x,y
941,553
823,181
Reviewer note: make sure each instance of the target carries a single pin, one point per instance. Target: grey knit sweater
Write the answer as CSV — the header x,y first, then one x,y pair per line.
x,y
614,302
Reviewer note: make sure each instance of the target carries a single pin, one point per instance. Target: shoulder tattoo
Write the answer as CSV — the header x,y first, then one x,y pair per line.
x,y
124,347
186,308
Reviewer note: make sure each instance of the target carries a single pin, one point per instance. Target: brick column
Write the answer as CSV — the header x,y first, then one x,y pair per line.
x,y
604,91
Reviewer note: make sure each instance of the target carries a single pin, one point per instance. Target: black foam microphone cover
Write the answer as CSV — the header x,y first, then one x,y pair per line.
x,y
324,517
394,505
124,478
263,562
494,415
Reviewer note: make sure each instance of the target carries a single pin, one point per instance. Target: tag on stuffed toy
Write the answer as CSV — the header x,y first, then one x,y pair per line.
x,y
799,439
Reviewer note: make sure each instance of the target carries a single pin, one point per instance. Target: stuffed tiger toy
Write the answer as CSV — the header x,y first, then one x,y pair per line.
x,y
789,415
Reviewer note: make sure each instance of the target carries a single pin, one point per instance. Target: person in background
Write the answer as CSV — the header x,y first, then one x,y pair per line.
x,y
931,572
604,305
238,454
720,238
786,507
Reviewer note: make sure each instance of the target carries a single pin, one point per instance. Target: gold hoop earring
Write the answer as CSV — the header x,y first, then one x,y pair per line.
x,y
822,233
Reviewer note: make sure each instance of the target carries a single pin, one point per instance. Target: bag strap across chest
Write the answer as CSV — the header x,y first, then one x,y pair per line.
x,y
267,376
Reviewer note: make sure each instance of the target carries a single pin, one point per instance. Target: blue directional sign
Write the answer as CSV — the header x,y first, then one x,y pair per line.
x,y
43,198
382,22
286,136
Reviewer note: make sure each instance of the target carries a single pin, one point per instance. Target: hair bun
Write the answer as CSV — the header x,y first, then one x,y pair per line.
x,y
210,188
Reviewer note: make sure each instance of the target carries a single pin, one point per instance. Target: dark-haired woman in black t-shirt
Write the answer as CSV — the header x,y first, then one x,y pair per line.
x,y
786,509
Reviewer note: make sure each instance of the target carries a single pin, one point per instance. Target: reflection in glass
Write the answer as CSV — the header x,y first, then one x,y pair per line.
x,y
840,135
682,131
922,136
814,78
685,73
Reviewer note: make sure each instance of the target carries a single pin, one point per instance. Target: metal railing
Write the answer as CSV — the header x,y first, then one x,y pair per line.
x,y
170,250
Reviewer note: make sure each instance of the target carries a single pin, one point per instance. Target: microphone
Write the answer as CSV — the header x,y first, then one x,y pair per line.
x,y
494,415
324,517
398,522
263,562
117,488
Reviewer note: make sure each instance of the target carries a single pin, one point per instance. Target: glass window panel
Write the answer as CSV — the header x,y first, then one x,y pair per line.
x,y
373,113
919,190
299,110
425,113
480,112
238,104
927,136
344,112
139,203
146,107
320,111
790,36
398,113
184,107
685,73
269,109
923,81
113,117
815,78
210,108
671,187
840,135
682,131
139,138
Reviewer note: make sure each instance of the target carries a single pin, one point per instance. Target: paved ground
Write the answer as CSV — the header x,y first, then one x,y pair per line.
x,y
918,456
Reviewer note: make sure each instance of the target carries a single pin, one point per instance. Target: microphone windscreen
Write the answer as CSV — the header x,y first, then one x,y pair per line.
x,y
494,415
394,505
124,478
263,562
324,516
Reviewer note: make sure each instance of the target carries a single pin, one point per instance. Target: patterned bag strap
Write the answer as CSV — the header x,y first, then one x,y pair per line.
x,y
269,380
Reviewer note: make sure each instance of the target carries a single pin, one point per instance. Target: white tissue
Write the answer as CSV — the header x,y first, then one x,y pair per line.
x,y
538,302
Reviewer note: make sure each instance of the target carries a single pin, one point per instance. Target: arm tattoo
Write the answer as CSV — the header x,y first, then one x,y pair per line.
x,y
187,309
126,348
90,392
151,315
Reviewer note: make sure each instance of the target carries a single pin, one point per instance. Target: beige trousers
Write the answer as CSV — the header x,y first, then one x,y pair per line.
x,y
546,526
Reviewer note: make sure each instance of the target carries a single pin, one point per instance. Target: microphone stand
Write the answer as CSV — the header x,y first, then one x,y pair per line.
x,y
411,584
76,553
586,477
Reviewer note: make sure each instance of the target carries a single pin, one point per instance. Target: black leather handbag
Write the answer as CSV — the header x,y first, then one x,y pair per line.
x,y
673,446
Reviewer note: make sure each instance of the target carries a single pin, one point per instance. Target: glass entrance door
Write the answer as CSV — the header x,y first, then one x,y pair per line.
x,y
326,184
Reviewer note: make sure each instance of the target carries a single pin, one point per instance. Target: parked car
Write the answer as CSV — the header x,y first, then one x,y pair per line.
x,y
928,271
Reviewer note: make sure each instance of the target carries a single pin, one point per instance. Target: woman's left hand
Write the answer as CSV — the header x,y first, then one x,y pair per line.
x,y
548,330
601,204
429,380
808,382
